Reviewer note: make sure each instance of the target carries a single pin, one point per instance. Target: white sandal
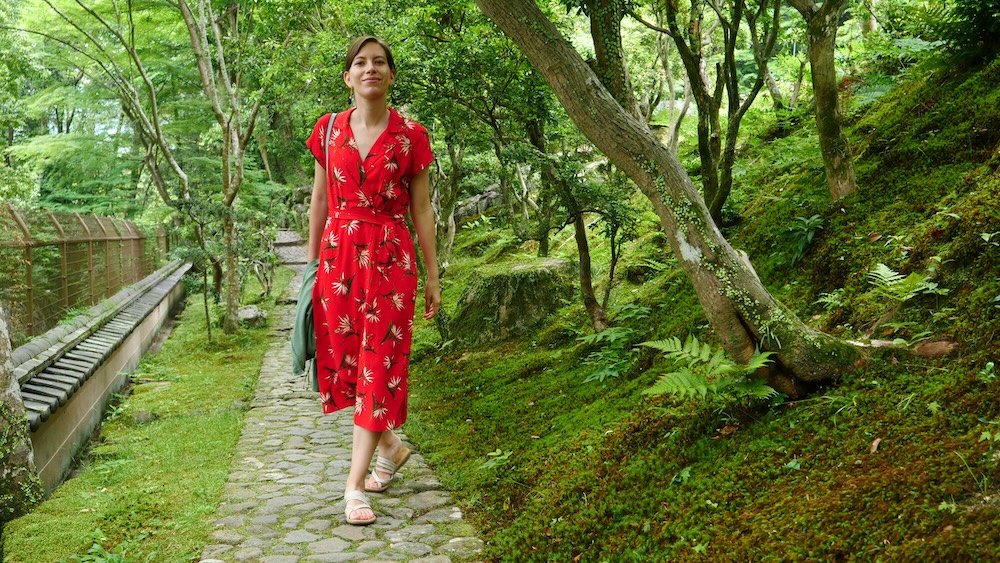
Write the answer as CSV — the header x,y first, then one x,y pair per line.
x,y
359,497
389,466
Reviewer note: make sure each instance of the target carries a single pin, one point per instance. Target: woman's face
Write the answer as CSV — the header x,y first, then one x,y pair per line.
x,y
370,76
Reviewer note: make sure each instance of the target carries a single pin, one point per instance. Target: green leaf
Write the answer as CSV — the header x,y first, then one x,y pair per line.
x,y
683,384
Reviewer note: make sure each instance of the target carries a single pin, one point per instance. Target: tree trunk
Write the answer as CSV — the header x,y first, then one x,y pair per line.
x,y
444,198
598,316
230,323
606,30
743,313
777,98
837,159
868,22
261,140
675,131
9,134
20,488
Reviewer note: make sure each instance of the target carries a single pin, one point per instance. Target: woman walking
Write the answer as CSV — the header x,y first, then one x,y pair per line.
x,y
371,170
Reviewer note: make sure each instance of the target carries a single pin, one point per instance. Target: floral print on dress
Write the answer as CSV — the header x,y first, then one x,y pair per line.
x,y
366,285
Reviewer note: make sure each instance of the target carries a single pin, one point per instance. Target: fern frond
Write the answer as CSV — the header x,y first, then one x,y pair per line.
x,y
669,345
753,389
883,276
683,384
759,360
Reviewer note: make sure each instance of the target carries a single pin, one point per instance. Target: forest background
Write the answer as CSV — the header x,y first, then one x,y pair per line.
x,y
850,146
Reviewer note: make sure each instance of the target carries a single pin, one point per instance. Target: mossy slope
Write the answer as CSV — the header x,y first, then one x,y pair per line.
x,y
887,464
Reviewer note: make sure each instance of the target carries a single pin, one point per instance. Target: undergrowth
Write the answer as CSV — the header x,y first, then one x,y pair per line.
x,y
896,461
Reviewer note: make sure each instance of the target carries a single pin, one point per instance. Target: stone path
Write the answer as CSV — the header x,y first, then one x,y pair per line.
x,y
284,498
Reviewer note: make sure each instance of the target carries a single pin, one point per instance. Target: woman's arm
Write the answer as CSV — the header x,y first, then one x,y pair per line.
x,y
423,223
317,212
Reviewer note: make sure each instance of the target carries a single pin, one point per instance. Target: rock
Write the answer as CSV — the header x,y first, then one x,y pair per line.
x,y
144,417
302,536
478,204
251,316
500,305
428,499
329,545
227,536
463,547
352,533
412,548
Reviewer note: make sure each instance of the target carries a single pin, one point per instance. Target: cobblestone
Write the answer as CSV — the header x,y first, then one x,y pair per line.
x,y
284,498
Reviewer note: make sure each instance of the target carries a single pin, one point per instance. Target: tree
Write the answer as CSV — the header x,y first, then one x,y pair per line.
x,y
692,37
823,21
744,315
222,82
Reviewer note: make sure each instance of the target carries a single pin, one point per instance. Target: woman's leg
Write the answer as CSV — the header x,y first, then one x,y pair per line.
x,y
361,457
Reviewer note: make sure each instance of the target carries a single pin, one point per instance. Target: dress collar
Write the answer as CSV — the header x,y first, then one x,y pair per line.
x,y
396,122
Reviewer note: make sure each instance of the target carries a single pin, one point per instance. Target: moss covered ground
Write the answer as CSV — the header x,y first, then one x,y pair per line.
x,y
148,487
896,461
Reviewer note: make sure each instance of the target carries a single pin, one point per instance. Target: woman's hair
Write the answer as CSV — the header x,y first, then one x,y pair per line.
x,y
360,42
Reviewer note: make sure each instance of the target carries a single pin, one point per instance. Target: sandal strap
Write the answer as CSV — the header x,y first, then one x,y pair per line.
x,y
386,464
358,496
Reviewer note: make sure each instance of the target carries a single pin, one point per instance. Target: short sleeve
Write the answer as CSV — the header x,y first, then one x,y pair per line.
x,y
422,154
316,141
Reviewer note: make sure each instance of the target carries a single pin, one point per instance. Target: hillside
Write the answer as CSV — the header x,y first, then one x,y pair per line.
x,y
899,460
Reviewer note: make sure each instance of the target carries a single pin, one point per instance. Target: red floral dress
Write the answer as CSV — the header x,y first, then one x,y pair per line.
x,y
366,284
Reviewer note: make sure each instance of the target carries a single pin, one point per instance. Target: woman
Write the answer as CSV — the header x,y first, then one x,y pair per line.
x,y
366,283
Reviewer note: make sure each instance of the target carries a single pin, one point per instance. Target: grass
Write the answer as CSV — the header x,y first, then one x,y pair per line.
x,y
148,487
886,464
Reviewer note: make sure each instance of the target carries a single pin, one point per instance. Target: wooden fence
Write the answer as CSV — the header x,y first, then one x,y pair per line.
x,y
52,263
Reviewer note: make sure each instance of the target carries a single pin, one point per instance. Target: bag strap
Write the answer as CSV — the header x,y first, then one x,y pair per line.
x,y
326,147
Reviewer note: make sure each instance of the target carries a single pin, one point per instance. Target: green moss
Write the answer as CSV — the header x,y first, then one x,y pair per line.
x,y
20,490
598,471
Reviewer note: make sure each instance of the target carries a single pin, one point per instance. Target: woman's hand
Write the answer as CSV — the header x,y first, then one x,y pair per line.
x,y
432,299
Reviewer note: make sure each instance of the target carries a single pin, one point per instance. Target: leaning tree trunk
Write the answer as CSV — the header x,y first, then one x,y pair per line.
x,y
742,312
20,488
837,159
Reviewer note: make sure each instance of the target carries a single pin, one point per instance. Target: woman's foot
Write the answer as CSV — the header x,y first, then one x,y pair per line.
x,y
357,510
386,466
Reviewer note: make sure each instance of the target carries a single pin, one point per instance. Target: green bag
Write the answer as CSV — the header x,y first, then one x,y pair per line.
x,y
303,333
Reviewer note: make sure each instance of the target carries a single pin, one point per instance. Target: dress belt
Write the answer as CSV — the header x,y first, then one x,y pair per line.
x,y
367,216
388,251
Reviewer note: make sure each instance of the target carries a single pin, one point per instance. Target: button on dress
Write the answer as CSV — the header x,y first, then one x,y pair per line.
x,y
366,284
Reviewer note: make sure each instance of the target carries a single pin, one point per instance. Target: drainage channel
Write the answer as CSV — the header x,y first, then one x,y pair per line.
x,y
51,388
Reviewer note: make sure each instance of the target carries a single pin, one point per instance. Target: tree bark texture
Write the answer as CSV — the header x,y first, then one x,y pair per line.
x,y
838,162
445,198
20,487
742,312
606,30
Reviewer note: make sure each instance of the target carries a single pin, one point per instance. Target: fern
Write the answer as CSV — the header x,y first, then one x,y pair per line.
x,y
684,384
703,372
894,285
